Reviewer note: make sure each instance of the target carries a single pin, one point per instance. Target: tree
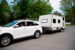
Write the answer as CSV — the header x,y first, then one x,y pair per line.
x,y
68,7
57,13
33,8
15,10
41,7
4,12
21,8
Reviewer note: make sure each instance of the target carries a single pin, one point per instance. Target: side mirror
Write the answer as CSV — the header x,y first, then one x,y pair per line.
x,y
16,26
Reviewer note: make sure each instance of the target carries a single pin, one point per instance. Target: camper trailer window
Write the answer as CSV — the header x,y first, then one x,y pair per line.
x,y
44,21
54,20
63,18
58,21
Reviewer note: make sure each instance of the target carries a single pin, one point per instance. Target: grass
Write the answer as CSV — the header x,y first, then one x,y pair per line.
x,y
70,24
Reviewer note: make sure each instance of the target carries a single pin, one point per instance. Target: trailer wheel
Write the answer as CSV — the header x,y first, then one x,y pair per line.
x,y
61,30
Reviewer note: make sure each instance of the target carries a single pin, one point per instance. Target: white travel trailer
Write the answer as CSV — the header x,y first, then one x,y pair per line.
x,y
52,22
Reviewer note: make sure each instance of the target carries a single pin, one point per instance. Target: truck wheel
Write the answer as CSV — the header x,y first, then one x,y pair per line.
x,y
37,34
5,40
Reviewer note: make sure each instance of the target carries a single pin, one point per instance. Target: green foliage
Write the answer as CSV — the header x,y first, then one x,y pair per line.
x,y
68,7
33,8
23,9
57,13
4,12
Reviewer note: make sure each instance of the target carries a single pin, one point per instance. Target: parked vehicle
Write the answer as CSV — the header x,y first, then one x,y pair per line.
x,y
18,29
52,22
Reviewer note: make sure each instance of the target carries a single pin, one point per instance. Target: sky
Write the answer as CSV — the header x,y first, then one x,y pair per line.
x,y
55,4
9,1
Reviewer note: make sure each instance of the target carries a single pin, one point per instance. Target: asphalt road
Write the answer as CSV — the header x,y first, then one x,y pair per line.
x,y
49,41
